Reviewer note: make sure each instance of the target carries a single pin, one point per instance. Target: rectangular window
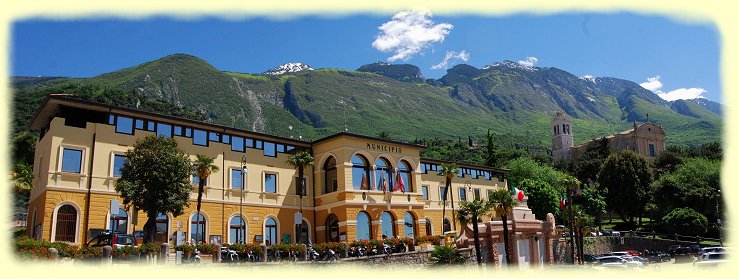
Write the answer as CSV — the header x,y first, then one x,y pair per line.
x,y
237,144
199,137
423,167
178,130
462,194
118,161
139,124
270,182
258,144
289,148
477,193
226,139
425,192
111,119
460,173
269,149
164,130
442,192
150,126
188,132
651,150
213,136
237,180
250,143
280,148
72,160
124,125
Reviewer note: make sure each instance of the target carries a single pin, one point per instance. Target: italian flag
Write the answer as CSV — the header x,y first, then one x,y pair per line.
x,y
562,200
519,193
399,184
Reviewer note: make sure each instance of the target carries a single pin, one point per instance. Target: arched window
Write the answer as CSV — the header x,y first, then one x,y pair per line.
x,y
388,224
237,230
360,173
428,227
301,233
197,228
270,231
118,223
162,223
409,225
332,232
66,223
447,225
383,174
330,182
363,226
405,173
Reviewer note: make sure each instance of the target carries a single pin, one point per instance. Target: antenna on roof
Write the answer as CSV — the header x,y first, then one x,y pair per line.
x,y
647,117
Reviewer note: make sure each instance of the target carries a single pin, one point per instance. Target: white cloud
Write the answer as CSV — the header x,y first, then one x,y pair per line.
x,y
655,85
529,61
452,57
652,84
409,33
683,94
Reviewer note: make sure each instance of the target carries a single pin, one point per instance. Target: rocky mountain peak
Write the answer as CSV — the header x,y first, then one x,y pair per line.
x,y
293,67
511,65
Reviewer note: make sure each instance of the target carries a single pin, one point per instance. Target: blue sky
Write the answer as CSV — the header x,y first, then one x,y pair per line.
x,y
668,56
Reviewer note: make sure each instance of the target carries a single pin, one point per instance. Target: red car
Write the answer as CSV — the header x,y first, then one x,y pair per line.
x,y
633,253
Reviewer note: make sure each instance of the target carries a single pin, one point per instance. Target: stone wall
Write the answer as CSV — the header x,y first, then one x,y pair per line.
x,y
414,258
605,244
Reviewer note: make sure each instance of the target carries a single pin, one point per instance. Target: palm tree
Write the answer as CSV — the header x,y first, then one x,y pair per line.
x,y
503,205
204,167
22,177
468,213
448,171
300,160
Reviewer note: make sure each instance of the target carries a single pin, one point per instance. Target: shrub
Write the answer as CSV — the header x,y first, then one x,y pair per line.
x,y
206,248
151,248
126,251
336,246
685,221
186,249
443,255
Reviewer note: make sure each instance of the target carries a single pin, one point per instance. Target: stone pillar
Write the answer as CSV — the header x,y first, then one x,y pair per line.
x,y
514,247
304,248
264,251
54,254
217,254
345,251
534,244
164,253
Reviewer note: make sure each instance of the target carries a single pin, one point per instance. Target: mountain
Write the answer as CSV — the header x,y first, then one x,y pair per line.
x,y
288,68
506,97
400,72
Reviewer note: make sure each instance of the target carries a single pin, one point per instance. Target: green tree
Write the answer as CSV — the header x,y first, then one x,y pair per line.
x,y
492,156
469,213
503,204
155,179
570,184
685,221
693,184
21,185
449,171
24,146
204,167
593,202
589,163
627,176
527,168
300,160
668,160
543,197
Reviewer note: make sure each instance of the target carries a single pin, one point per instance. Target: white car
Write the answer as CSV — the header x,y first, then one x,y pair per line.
x,y
712,249
711,259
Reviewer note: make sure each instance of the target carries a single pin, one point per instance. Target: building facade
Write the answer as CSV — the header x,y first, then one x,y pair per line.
x,y
82,148
646,139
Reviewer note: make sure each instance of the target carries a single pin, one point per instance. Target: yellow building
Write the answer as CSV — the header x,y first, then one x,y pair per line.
x,y
82,148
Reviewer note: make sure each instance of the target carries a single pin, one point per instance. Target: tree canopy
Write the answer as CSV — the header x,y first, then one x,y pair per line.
x,y
543,197
155,178
626,176
694,183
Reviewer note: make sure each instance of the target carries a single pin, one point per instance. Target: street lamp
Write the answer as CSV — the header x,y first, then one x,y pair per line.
x,y
468,185
241,201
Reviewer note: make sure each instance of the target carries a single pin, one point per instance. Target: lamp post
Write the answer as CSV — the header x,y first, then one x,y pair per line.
x,y
718,217
468,185
241,201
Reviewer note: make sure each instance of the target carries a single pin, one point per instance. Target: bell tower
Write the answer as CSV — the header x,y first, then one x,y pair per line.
x,y
561,136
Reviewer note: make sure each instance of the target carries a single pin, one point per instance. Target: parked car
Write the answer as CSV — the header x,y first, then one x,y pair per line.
x,y
706,250
589,258
609,260
710,259
672,250
115,240
609,232
658,256
641,260
632,252
683,254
